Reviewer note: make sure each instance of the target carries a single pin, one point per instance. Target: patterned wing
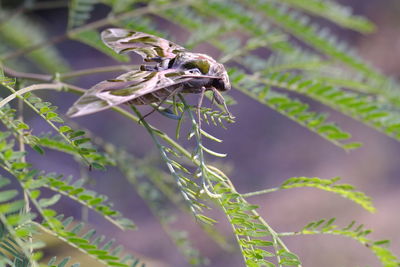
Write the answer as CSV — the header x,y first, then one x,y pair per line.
x,y
126,87
149,47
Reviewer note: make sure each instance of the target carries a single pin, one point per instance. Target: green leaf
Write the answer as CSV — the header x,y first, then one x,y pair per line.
x,y
46,202
8,195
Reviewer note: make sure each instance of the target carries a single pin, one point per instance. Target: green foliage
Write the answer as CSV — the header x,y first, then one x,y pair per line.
x,y
258,242
14,227
334,12
320,39
292,108
88,242
19,31
62,263
253,37
19,128
356,232
32,183
331,185
188,188
47,112
79,12
75,191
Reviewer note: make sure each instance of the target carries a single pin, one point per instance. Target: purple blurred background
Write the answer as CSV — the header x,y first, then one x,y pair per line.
x,y
264,149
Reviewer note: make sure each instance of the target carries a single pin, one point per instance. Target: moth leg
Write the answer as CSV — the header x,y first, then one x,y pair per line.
x,y
176,90
220,100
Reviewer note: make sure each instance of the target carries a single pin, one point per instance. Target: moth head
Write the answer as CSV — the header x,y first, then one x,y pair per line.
x,y
223,83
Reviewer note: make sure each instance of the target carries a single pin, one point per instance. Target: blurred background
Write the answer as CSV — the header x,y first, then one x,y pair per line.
x,y
260,155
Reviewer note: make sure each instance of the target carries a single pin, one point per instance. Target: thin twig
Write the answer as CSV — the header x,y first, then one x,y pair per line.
x,y
34,87
21,142
256,193
89,71
26,75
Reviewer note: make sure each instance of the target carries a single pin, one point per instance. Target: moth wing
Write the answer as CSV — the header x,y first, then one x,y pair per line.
x,y
148,46
124,88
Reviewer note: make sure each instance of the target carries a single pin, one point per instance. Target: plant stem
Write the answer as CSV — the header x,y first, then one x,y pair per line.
x,y
256,193
21,142
67,75
26,75
34,87
89,71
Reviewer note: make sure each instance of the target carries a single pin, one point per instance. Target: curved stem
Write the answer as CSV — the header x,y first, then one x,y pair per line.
x,y
34,87
26,75
84,72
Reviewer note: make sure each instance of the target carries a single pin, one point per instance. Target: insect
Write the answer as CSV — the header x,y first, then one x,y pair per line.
x,y
175,71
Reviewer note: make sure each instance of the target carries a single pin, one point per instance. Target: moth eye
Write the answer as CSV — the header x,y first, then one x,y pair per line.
x,y
194,71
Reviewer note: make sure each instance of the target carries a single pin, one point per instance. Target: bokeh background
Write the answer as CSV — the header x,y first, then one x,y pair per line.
x,y
264,149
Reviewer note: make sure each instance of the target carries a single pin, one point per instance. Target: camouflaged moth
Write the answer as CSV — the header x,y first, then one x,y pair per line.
x,y
175,71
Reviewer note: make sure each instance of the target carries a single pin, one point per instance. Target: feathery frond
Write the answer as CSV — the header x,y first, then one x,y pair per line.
x,y
21,31
260,41
331,185
356,232
79,12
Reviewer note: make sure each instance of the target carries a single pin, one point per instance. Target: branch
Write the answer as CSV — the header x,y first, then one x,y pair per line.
x,y
89,71
26,75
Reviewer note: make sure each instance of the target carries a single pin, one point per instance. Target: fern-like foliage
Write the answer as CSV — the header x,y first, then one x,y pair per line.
x,y
19,128
62,263
14,227
189,189
75,191
255,38
57,142
88,242
20,31
31,182
299,26
292,108
331,185
355,105
79,12
341,15
48,112
258,242
356,232
159,191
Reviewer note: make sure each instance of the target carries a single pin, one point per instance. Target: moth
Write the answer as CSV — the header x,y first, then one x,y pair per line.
x,y
174,71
